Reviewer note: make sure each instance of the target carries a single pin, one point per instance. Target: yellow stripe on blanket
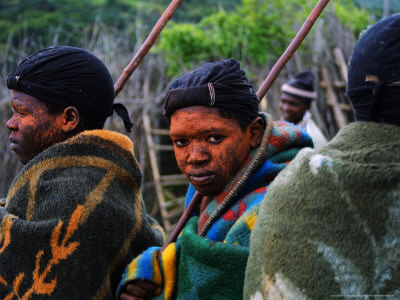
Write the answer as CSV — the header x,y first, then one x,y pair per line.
x,y
251,218
157,273
122,140
169,267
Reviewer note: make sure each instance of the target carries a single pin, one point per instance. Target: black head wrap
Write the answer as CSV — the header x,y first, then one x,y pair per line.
x,y
69,76
374,73
301,86
221,84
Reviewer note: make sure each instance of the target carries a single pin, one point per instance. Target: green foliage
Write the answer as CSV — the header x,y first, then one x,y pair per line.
x,y
189,44
254,33
37,19
352,16
195,10
376,6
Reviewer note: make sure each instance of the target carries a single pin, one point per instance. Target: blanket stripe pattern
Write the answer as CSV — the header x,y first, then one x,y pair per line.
x,y
213,267
73,218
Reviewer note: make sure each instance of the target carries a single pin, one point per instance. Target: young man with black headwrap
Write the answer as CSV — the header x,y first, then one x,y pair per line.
x,y
329,225
296,97
230,153
74,215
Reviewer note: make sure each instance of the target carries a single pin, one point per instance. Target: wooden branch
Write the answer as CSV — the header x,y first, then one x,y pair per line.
x,y
277,68
341,63
187,213
336,84
137,59
332,100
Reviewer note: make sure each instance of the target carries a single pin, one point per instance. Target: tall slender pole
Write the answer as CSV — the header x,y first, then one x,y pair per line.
x,y
155,32
277,68
386,8
187,213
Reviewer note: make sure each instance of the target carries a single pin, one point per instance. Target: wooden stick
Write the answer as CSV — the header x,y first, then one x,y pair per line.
x,y
277,68
333,100
137,59
260,94
187,213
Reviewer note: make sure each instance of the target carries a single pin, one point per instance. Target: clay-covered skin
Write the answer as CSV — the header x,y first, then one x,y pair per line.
x,y
292,109
210,149
33,129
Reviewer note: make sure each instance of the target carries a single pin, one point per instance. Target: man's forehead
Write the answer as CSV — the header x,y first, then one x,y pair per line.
x,y
198,130
18,97
206,127
288,97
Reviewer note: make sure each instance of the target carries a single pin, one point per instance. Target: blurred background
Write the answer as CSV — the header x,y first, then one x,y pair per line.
x,y
254,32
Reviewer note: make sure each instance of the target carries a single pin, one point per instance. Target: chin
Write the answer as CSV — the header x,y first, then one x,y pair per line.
x,y
207,191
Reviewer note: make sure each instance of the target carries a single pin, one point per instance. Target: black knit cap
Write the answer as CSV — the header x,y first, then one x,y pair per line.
x,y
301,87
374,73
221,84
68,76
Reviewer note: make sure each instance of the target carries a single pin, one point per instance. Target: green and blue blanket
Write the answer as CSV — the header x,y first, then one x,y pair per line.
x,y
213,266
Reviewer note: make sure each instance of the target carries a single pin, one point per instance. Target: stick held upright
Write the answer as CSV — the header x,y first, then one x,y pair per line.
x,y
298,39
155,32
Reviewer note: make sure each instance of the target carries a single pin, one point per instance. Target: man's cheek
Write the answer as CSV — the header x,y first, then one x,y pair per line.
x,y
181,163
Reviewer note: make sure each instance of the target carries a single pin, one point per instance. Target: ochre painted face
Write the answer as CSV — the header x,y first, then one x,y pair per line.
x,y
209,149
33,129
292,109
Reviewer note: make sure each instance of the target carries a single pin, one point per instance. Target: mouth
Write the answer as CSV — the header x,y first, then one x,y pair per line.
x,y
201,179
14,144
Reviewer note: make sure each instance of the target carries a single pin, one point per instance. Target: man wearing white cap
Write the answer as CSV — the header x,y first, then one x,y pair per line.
x,y
296,98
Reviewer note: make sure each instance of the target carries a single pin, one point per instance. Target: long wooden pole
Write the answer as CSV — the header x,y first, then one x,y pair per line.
x,y
187,213
137,59
277,68
260,94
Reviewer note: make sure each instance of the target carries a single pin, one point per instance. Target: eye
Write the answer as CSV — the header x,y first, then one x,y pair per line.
x,y
215,139
19,111
181,143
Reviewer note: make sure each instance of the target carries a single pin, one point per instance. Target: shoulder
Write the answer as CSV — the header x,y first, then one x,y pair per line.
x,y
309,173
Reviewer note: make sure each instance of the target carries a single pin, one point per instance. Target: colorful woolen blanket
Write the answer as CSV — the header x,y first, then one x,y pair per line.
x,y
213,267
329,227
73,219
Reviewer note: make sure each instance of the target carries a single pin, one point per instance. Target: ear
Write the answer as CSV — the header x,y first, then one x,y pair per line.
x,y
256,131
71,118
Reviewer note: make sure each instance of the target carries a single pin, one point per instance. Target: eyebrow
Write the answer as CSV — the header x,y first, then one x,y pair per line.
x,y
18,105
212,130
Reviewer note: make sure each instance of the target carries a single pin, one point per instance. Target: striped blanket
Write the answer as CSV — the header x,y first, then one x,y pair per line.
x,y
73,219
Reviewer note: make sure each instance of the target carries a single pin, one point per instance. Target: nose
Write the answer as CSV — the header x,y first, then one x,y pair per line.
x,y
198,154
11,124
283,106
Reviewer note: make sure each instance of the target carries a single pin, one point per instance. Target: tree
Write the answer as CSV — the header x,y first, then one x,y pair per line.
x,y
255,33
